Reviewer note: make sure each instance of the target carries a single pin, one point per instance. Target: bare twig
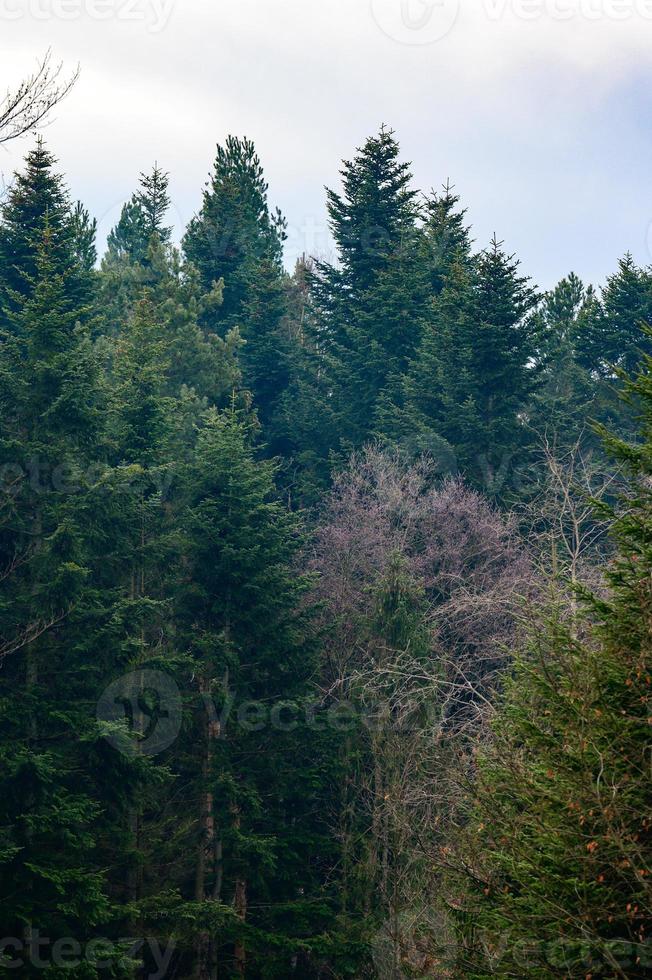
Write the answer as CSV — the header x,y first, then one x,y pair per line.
x,y
26,108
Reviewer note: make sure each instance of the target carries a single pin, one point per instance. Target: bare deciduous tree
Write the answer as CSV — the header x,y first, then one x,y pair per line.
x,y
420,582
27,107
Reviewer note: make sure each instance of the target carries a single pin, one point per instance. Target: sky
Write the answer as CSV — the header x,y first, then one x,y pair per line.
x,y
538,111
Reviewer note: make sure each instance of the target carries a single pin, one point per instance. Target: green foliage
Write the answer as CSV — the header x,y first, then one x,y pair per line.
x,y
236,241
369,309
612,336
37,198
50,876
557,850
163,417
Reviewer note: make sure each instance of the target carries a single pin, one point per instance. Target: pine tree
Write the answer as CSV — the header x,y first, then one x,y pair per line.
x,y
614,336
558,847
51,878
239,620
471,380
370,307
237,241
37,199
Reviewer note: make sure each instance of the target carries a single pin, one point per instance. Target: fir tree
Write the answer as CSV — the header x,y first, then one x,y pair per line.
x,y
238,616
237,241
51,877
142,217
567,395
472,378
614,336
37,199
370,307
559,841
153,202
446,238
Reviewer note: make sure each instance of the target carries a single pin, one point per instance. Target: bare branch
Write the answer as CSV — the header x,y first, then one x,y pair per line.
x,y
26,108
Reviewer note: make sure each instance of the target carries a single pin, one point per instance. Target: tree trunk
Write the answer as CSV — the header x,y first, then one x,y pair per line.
x,y
240,904
209,854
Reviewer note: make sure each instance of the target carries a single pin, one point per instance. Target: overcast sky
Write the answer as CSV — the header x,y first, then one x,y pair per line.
x,y
537,110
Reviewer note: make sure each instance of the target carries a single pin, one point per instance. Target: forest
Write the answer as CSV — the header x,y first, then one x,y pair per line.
x,y
326,610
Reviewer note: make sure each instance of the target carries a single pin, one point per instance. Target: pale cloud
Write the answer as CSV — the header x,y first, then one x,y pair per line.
x,y
535,108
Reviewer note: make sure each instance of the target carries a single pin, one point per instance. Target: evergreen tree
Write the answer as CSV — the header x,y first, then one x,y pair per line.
x,y
236,240
128,238
370,307
84,229
558,847
138,251
153,202
37,199
447,240
142,217
235,230
613,336
405,412
238,617
434,411
145,446
466,390
304,427
51,878
567,395
502,354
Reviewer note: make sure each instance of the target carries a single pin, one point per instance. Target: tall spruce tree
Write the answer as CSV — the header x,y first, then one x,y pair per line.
x,y
239,619
614,336
370,306
237,240
51,877
470,382
36,199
